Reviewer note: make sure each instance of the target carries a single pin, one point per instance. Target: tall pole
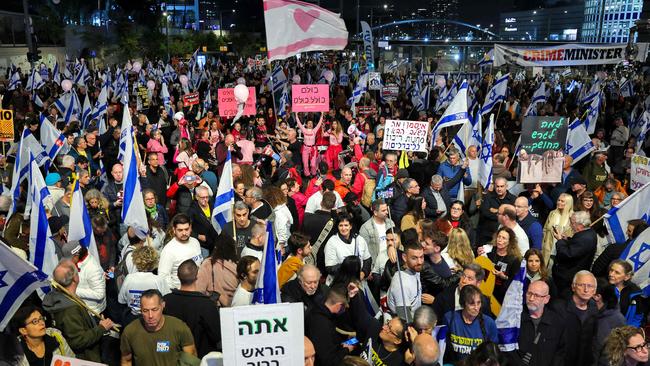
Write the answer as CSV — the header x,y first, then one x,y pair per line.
x,y
167,33
28,31
220,24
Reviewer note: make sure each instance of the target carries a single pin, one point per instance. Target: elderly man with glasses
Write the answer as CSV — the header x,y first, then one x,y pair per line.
x,y
201,215
573,254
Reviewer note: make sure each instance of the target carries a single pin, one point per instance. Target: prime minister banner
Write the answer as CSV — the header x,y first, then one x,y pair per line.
x,y
568,54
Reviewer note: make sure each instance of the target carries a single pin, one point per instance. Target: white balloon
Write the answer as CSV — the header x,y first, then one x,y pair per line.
x,y
296,79
137,66
241,81
129,66
66,85
329,75
241,93
151,84
183,79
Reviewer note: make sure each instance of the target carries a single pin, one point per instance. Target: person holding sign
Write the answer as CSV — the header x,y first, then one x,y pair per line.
x,y
309,152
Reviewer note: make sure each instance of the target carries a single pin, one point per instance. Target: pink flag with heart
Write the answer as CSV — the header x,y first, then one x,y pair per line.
x,y
295,26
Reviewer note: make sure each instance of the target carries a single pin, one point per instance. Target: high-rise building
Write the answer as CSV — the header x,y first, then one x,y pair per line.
x,y
609,21
444,9
561,23
208,14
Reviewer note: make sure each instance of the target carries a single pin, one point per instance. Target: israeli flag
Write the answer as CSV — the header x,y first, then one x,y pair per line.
x,y
42,253
488,59
101,104
627,89
169,75
637,254
14,81
485,163
497,94
469,134
34,82
633,207
540,95
80,228
592,114
82,74
455,114
284,102
51,139
28,145
69,106
18,279
592,93
86,113
645,125
440,335
267,290
359,90
578,142
164,94
133,212
207,102
392,66
509,319
278,79
572,85
222,210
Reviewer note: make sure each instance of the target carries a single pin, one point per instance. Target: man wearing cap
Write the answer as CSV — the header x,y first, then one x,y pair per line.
x,y
91,287
578,188
53,183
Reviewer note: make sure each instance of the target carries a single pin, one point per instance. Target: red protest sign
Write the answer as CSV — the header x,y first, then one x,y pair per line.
x,y
190,99
310,98
228,104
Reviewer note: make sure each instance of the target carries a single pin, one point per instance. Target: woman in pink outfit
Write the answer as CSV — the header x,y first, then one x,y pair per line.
x,y
157,144
336,138
309,151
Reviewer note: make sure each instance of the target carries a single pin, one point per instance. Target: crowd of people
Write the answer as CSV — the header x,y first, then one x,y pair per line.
x,y
412,235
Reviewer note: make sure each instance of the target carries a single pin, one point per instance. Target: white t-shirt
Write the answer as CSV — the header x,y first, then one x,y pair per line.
x,y
175,253
336,250
137,283
241,297
474,165
313,203
412,291
252,252
382,256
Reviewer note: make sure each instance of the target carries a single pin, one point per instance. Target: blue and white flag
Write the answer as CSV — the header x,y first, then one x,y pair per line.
x,y
359,90
222,210
540,95
207,102
18,279
56,73
28,145
485,163
633,207
509,319
34,82
69,106
594,92
267,290
169,75
496,94
572,85
278,79
644,123
14,81
637,254
627,89
592,114
164,94
488,59
455,114
52,140
86,113
133,211
82,74
425,97
42,249
440,335
469,134
101,104
284,102
578,143
80,228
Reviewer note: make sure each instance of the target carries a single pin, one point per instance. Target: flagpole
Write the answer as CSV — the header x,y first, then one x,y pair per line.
x,y
275,109
399,270
234,228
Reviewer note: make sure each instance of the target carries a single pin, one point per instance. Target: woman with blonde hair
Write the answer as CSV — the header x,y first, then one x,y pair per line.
x,y
458,249
558,218
626,346
97,204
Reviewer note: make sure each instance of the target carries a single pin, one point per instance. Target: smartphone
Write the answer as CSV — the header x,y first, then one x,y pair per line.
x,y
351,342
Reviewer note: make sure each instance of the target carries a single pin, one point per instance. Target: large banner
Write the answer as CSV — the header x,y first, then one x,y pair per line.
x,y
567,54
541,154
406,135
368,48
639,172
263,335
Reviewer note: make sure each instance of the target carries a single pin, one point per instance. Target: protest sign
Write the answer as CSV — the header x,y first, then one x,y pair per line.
x,y
567,54
143,93
58,360
406,135
228,104
390,92
310,98
6,125
366,110
374,81
541,157
639,171
190,99
263,335
344,79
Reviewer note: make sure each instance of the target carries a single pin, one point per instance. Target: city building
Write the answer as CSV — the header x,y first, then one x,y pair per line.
x,y
562,23
609,21
444,9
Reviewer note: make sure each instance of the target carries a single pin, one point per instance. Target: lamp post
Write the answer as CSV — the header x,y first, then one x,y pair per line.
x,y
221,20
166,15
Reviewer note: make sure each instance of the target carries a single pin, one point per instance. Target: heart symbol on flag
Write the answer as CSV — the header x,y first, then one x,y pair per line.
x,y
304,19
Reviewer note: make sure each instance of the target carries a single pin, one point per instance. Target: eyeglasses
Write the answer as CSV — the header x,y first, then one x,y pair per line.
x,y
640,347
37,320
387,327
468,277
533,295
202,197
585,286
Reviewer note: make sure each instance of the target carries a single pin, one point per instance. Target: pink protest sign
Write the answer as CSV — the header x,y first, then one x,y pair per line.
x,y
310,98
228,104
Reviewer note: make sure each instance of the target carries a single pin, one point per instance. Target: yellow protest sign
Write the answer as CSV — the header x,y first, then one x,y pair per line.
x,y
6,125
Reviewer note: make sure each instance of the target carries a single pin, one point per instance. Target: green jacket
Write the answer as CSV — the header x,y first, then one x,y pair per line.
x,y
595,175
81,331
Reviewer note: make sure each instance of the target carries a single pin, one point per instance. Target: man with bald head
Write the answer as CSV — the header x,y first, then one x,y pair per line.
x,y
425,350
542,333
489,208
82,332
310,352
531,226
306,288
344,185
507,217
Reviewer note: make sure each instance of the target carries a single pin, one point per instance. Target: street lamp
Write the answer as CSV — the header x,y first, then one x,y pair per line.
x,y
221,20
166,15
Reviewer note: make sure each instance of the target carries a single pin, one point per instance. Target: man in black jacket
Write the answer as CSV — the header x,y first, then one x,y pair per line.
x,y
200,213
320,326
157,178
488,222
445,302
573,254
437,198
306,288
542,332
194,308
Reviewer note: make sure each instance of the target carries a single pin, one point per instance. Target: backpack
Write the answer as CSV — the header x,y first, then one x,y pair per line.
x,y
122,269
368,191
